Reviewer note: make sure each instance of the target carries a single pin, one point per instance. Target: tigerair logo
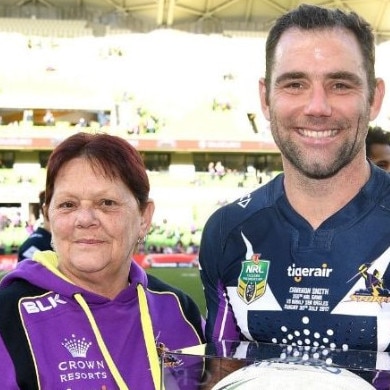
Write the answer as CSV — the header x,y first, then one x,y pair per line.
x,y
298,273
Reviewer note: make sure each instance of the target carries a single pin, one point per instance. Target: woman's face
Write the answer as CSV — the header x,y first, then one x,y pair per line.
x,y
95,223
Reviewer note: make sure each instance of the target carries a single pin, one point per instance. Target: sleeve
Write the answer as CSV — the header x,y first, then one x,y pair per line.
x,y
188,306
192,313
220,321
178,325
16,361
7,369
382,380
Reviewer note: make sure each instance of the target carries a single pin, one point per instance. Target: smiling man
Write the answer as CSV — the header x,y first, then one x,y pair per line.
x,y
303,260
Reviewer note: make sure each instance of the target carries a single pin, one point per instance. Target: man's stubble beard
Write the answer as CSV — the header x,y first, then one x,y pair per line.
x,y
318,170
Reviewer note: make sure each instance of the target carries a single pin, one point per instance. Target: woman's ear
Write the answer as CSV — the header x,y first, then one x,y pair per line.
x,y
45,211
147,217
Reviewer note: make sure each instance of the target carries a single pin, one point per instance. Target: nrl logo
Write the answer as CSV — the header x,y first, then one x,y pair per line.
x,y
252,281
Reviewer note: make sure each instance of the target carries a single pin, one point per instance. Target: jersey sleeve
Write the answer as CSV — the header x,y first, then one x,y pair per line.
x,y
220,321
7,370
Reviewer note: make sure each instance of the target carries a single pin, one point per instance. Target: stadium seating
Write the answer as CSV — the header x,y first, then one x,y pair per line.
x,y
32,27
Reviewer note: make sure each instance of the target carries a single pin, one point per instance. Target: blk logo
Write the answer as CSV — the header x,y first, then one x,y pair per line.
x,y
44,304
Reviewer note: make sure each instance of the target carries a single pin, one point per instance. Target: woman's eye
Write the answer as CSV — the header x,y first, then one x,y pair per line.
x,y
66,205
108,202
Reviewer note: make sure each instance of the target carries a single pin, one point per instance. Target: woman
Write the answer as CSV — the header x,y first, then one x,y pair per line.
x,y
84,316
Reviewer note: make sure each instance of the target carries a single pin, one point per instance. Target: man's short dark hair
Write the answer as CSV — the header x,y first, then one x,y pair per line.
x,y
311,17
376,135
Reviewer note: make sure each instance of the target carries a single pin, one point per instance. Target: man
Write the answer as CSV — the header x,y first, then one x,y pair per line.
x,y
378,147
282,264
39,239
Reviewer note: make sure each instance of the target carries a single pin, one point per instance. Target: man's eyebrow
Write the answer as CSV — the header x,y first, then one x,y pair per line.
x,y
341,75
348,76
290,76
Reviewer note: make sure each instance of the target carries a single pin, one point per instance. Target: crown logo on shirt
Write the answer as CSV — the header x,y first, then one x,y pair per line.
x,y
77,347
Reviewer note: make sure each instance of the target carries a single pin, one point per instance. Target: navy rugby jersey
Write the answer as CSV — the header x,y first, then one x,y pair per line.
x,y
268,276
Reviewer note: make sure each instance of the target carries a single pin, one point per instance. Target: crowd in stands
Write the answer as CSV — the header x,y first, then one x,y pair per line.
x,y
163,238
167,238
11,176
13,230
145,123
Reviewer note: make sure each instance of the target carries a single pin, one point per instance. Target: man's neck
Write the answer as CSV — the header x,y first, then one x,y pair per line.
x,y
317,200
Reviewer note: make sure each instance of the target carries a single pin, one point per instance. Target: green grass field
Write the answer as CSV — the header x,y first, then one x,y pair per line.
x,y
187,279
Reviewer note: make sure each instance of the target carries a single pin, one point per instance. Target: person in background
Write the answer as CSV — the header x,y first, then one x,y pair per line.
x,y
40,238
378,147
86,316
49,119
282,265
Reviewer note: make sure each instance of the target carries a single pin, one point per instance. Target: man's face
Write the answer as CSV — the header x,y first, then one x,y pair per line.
x,y
318,100
380,155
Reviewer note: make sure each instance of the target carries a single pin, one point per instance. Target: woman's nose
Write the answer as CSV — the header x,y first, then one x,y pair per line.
x,y
86,216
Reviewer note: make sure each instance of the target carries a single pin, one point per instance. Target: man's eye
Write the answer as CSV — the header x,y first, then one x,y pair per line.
x,y
341,86
294,85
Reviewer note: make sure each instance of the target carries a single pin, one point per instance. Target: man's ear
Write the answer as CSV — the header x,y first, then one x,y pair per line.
x,y
378,98
264,98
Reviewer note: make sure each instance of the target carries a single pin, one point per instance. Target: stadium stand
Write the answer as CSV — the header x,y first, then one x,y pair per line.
x,y
31,27
200,89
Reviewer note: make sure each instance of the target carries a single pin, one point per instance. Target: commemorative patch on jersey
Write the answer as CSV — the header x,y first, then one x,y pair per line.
x,y
374,290
252,280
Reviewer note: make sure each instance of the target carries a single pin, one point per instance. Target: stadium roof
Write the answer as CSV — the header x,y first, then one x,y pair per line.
x,y
203,16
